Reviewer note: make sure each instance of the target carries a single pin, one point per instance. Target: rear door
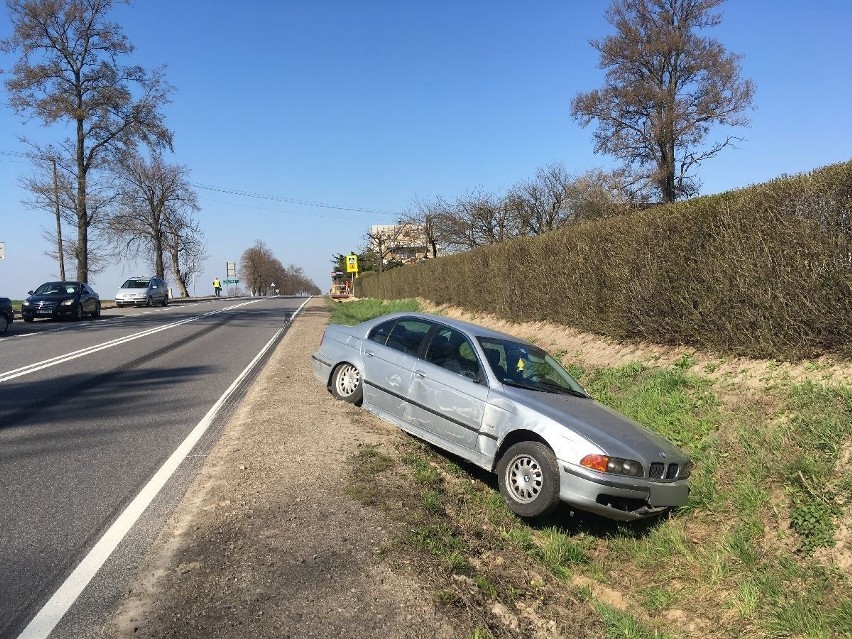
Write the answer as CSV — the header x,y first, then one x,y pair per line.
x,y
390,353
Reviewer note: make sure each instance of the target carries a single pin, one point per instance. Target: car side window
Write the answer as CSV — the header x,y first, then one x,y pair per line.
x,y
407,335
452,351
381,332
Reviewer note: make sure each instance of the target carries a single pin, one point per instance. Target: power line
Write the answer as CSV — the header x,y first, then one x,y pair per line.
x,y
284,211
260,196
289,200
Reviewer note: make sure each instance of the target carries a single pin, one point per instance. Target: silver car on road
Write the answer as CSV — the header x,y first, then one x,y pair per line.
x,y
142,291
507,406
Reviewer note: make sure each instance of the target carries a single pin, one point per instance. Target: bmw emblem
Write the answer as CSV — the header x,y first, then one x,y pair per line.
x,y
663,455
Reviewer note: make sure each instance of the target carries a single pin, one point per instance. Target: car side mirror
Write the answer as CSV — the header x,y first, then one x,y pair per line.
x,y
29,292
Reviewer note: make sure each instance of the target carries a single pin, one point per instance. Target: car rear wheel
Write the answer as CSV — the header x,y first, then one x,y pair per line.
x,y
528,476
346,384
4,324
165,300
149,301
97,311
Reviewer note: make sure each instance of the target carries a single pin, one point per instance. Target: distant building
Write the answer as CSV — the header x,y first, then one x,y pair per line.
x,y
404,243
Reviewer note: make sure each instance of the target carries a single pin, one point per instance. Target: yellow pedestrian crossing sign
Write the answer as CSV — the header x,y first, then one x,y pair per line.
x,y
352,263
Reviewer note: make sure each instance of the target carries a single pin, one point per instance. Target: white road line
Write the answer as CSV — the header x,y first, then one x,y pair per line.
x,y
45,621
59,359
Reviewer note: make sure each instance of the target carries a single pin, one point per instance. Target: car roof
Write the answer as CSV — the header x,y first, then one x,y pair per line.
x,y
469,327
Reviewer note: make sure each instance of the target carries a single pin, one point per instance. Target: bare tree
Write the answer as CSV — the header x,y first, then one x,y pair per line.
x,y
264,273
151,191
476,219
382,241
295,282
665,87
184,242
68,71
541,204
52,188
426,215
256,267
554,198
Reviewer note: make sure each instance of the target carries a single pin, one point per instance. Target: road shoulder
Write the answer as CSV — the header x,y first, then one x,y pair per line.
x,y
266,542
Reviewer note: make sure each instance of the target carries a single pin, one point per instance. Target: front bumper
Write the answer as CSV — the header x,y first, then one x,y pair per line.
x,y
619,497
130,301
57,312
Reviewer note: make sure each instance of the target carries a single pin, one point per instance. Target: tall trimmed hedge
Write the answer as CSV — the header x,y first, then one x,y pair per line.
x,y
764,271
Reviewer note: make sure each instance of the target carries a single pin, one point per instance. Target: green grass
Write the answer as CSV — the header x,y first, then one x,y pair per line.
x,y
621,625
351,313
742,558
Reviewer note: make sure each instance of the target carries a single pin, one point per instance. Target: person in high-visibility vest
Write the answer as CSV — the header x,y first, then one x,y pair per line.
x,y
217,287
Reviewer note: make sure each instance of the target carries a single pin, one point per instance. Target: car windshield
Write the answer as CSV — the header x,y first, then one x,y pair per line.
x,y
525,366
55,288
135,284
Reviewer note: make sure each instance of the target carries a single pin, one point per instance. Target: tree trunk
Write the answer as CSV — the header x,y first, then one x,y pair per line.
x,y
180,277
159,263
82,249
58,224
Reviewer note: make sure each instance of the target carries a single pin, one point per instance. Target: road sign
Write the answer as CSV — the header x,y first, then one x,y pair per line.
x,y
352,263
232,281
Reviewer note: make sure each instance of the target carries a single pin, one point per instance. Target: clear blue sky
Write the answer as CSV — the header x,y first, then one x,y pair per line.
x,y
371,104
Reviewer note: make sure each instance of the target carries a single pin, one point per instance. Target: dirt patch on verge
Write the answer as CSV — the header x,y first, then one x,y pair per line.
x,y
266,543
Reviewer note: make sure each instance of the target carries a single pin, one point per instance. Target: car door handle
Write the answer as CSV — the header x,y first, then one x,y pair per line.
x,y
368,353
419,374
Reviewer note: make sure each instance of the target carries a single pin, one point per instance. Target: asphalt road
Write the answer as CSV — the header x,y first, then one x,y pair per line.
x,y
89,412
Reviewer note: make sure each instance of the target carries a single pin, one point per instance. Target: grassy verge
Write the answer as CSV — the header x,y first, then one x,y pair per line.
x,y
757,552
351,313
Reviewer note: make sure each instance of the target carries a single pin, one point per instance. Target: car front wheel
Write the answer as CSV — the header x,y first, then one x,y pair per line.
x,y
528,476
346,384
78,312
4,324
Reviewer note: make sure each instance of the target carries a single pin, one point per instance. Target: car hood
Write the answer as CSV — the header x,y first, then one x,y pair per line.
x,y
58,297
613,432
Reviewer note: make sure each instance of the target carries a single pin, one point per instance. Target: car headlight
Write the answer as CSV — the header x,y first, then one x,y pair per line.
x,y
26,303
67,302
615,465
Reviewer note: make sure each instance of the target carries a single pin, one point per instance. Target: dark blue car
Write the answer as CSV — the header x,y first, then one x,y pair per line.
x,y
58,300
6,314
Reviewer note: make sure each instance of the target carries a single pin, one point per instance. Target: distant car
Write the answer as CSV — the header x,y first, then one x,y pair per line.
x,y
142,291
7,315
507,406
59,300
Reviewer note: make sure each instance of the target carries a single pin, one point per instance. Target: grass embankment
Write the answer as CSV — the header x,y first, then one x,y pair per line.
x,y
762,549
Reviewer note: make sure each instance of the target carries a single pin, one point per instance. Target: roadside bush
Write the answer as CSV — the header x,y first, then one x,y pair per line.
x,y
764,271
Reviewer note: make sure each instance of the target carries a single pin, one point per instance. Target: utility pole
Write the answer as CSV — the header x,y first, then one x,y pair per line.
x,y
58,223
